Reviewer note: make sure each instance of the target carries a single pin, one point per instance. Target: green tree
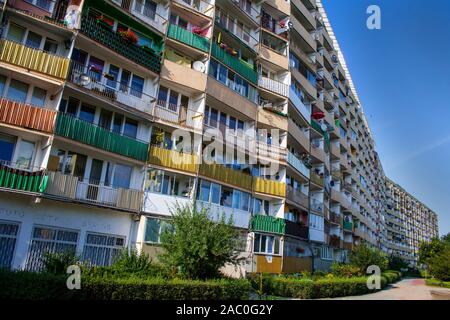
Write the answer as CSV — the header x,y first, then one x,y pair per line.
x,y
363,256
428,250
397,263
439,265
198,244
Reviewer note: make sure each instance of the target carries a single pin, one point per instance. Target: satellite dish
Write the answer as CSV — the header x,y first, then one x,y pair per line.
x,y
84,79
199,66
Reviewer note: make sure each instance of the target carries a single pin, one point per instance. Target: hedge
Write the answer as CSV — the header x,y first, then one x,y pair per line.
x,y
326,287
438,283
37,286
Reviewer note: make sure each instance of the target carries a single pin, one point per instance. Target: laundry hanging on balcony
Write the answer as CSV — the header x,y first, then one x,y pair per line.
x,y
201,31
318,115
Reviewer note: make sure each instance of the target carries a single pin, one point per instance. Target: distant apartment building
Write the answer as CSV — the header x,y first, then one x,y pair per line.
x,y
93,92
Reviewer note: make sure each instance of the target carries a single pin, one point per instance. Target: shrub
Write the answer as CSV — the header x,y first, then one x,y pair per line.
x,y
438,283
439,265
392,276
58,262
198,244
397,263
345,270
29,285
363,257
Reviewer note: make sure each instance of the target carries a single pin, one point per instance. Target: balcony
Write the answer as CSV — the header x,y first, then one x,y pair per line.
x,y
270,151
298,134
185,76
274,86
173,159
272,119
348,246
271,187
187,37
186,118
316,179
14,177
147,58
335,242
26,116
318,153
297,197
335,218
33,59
280,5
227,175
299,105
269,224
274,57
298,164
109,88
348,226
316,205
85,132
68,187
295,229
239,66
201,6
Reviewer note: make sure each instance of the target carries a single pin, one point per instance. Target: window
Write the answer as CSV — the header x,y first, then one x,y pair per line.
x,y
113,73
7,144
204,191
8,238
130,128
43,4
146,8
17,91
2,84
154,181
38,97
50,46
122,176
49,239
316,222
25,154
102,249
326,253
87,113
16,33
226,199
215,193
154,228
266,244
137,86
33,40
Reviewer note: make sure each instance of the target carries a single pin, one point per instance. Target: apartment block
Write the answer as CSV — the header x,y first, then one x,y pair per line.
x,y
110,108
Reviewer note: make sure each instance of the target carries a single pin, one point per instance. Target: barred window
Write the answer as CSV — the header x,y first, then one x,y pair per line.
x,y
49,239
102,249
8,237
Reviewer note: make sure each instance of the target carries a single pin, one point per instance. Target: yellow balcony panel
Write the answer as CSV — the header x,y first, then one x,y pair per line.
x,y
281,5
32,59
274,57
269,187
229,176
173,159
183,75
272,120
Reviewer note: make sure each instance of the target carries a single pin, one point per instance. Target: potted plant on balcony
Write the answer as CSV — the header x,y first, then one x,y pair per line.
x,y
129,36
104,21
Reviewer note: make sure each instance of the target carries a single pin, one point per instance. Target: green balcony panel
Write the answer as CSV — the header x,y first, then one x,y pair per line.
x,y
145,57
268,224
23,180
70,127
348,226
234,63
188,37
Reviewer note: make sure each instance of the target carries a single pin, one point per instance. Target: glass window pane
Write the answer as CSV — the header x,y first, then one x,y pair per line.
x,y
7,144
17,91
112,76
270,244
25,154
33,40
256,243
87,113
204,192
227,197
15,33
137,86
153,183
245,199
122,176
162,96
215,193
50,46
236,199
38,98
130,128
152,230
2,84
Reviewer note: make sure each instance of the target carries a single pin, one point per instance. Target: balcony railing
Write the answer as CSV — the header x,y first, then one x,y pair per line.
x,y
106,86
296,229
315,178
316,205
14,176
335,241
298,164
269,186
268,224
69,187
274,86
348,246
297,197
201,6
299,105
188,37
268,150
26,116
173,159
148,58
234,63
85,132
227,175
33,59
335,218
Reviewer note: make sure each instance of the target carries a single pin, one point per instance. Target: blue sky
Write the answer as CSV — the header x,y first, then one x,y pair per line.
x,y
402,76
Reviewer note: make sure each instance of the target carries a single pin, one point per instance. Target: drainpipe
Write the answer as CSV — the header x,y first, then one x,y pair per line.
x,y
1,13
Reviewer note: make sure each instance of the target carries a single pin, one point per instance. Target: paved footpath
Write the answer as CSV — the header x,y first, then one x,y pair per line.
x,y
407,289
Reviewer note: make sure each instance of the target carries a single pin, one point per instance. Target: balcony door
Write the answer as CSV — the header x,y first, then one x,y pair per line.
x,y
94,179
